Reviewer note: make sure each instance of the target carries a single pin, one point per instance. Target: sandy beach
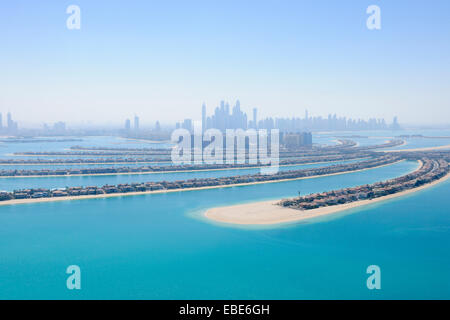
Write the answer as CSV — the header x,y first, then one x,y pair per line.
x,y
110,195
268,212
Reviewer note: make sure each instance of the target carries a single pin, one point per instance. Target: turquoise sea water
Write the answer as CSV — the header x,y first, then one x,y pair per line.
x,y
160,246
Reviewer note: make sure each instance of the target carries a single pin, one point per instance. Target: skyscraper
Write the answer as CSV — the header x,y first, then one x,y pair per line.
x,y
12,125
203,117
254,118
127,125
9,121
136,123
222,119
59,127
187,124
1,122
395,125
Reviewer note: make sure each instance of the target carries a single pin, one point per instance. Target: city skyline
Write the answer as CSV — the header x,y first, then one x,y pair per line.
x,y
226,117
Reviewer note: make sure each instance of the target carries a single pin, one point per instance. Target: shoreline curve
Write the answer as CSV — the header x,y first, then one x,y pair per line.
x,y
269,213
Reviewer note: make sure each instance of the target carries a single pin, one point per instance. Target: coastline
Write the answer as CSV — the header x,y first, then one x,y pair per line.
x,y
110,195
269,213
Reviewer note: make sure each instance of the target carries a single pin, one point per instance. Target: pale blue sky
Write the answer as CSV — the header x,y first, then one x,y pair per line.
x,y
163,59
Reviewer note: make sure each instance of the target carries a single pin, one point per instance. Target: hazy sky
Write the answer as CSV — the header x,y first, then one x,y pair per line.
x,y
163,59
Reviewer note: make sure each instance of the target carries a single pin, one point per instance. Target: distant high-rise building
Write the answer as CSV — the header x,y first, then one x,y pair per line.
x,y
157,126
9,121
1,122
222,119
187,124
127,125
203,118
12,126
395,125
136,123
59,127
295,140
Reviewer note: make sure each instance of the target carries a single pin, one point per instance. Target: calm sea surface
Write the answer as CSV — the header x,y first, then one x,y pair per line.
x,y
160,247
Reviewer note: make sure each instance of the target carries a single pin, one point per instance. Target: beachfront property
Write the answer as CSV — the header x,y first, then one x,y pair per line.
x,y
430,170
381,160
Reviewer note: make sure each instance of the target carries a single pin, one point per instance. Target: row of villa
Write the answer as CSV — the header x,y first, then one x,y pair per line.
x,y
94,148
344,146
343,143
196,183
431,170
185,167
312,158
160,157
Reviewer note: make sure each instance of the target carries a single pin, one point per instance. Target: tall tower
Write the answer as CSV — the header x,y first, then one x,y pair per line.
x,y
395,125
203,118
255,111
9,120
1,122
136,123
